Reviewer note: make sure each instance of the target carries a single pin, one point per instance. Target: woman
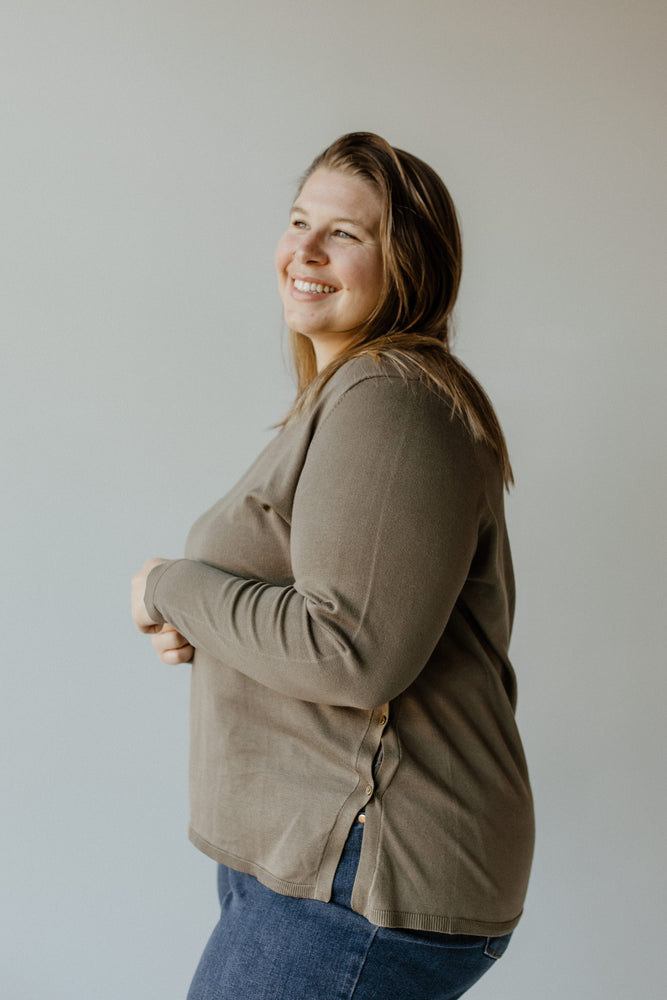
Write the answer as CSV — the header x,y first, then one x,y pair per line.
x,y
355,764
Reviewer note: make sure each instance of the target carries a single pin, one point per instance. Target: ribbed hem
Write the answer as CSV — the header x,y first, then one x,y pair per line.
x,y
439,924
294,889
383,918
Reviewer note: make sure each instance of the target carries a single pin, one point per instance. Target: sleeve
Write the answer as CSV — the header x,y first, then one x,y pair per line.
x,y
384,528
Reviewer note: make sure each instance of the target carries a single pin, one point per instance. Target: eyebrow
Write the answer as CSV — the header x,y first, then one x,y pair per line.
x,y
353,222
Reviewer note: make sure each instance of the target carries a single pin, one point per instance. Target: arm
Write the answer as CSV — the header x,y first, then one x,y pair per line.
x,y
384,527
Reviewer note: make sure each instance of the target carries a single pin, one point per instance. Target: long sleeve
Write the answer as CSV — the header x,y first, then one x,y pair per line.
x,y
384,526
352,594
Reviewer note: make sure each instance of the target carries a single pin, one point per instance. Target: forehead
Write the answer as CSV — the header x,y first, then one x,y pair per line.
x,y
341,195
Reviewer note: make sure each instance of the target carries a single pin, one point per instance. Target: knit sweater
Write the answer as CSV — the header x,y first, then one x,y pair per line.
x,y
350,603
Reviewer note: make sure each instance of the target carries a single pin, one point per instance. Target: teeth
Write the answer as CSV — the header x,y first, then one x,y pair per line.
x,y
312,286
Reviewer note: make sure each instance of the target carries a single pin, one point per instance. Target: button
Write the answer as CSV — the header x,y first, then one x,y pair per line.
x,y
382,721
369,789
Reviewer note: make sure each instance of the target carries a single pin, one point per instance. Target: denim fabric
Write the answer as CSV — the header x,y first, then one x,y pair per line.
x,y
271,947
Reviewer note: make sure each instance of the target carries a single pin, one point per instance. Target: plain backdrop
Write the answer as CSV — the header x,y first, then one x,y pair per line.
x,y
150,149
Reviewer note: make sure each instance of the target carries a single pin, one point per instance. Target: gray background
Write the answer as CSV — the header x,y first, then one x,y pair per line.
x,y
149,154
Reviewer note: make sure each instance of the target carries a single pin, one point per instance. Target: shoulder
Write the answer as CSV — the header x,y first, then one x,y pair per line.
x,y
375,383
376,391
372,406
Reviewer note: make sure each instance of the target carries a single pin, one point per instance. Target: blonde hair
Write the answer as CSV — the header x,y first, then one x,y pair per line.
x,y
410,327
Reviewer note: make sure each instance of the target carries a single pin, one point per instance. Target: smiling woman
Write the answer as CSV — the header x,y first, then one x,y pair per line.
x,y
330,277
356,770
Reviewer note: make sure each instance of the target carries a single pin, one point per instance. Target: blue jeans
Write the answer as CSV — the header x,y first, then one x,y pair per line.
x,y
271,947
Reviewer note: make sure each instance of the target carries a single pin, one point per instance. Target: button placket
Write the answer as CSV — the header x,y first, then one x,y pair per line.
x,y
370,787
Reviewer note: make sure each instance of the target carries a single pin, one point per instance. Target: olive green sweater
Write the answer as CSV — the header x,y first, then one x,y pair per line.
x,y
352,594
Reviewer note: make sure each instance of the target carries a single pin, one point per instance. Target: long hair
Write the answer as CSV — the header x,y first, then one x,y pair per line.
x,y
410,327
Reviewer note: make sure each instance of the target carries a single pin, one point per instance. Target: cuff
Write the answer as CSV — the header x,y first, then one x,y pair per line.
x,y
152,582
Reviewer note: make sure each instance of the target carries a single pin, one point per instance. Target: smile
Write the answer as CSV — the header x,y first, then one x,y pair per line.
x,y
312,286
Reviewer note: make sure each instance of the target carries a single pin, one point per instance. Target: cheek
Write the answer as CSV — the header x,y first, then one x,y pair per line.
x,y
285,250
377,280
371,282
282,257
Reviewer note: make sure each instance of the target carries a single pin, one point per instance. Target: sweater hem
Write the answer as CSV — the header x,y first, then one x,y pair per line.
x,y
397,919
295,889
405,920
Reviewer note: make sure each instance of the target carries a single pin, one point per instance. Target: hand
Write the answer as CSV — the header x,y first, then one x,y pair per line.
x,y
142,619
171,646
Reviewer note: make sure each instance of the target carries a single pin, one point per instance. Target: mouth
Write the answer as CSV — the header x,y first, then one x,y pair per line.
x,y
313,287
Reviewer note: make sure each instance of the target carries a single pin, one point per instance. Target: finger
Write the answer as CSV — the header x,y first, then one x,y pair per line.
x,y
168,638
172,629
181,655
148,629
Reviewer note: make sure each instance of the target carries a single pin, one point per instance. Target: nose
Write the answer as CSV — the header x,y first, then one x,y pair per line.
x,y
310,249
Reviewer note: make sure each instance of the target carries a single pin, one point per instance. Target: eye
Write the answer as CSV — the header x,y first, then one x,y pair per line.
x,y
298,224
344,235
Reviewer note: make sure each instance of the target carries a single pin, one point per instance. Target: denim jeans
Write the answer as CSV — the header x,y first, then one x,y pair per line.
x,y
271,947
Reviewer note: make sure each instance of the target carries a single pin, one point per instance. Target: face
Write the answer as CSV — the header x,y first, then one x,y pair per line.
x,y
329,261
